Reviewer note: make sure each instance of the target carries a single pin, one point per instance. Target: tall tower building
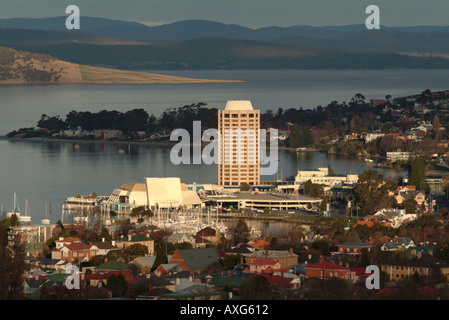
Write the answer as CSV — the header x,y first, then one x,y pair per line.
x,y
239,126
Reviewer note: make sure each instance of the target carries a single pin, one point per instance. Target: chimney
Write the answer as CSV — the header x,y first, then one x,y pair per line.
x,y
229,273
309,257
321,258
129,237
266,253
102,239
419,254
396,239
290,251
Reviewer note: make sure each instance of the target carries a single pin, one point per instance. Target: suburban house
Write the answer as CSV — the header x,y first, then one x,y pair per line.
x,y
354,247
61,242
259,244
284,257
177,238
398,243
260,265
75,250
242,249
424,265
145,264
195,260
404,194
167,268
104,247
34,249
327,270
393,217
209,235
128,241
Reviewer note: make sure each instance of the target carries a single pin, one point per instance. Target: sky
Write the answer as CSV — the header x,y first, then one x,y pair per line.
x,y
249,13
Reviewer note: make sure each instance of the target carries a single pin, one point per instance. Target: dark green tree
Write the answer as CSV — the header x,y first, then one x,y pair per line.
x,y
417,174
118,285
256,288
364,258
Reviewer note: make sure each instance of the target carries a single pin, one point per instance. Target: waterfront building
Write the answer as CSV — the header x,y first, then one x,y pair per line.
x,y
285,258
399,156
239,153
153,193
259,201
322,176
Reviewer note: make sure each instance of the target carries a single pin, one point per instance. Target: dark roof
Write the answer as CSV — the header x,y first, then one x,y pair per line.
x,y
426,261
241,250
155,292
135,238
199,259
355,244
104,245
182,274
112,265
33,283
153,281
207,232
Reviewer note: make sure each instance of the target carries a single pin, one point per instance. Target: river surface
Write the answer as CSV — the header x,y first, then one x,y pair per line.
x,y
50,171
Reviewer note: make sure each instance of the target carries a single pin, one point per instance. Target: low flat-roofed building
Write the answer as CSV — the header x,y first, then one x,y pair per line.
x,y
322,176
263,200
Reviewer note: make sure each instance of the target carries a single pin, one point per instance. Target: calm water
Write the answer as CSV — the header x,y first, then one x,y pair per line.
x,y
49,172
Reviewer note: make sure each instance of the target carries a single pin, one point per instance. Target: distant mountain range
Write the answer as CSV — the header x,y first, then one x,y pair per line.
x,y
200,44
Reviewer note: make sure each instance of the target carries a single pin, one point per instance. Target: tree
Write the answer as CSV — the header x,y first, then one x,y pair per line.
x,y
256,288
104,234
436,127
364,259
240,232
307,186
231,260
115,255
136,250
300,136
322,246
161,257
417,174
245,187
118,285
410,205
370,191
323,204
14,220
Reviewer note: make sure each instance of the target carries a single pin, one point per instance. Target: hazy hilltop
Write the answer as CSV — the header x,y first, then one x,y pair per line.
x,y
201,44
18,67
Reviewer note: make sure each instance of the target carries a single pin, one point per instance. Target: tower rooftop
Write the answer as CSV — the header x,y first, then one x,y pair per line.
x,y
239,105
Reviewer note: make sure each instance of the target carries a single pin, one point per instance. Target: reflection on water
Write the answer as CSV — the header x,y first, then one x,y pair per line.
x,y
50,171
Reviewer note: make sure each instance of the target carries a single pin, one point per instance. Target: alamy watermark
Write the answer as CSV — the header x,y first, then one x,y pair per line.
x,y
73,281
372,281
233,146
72,21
